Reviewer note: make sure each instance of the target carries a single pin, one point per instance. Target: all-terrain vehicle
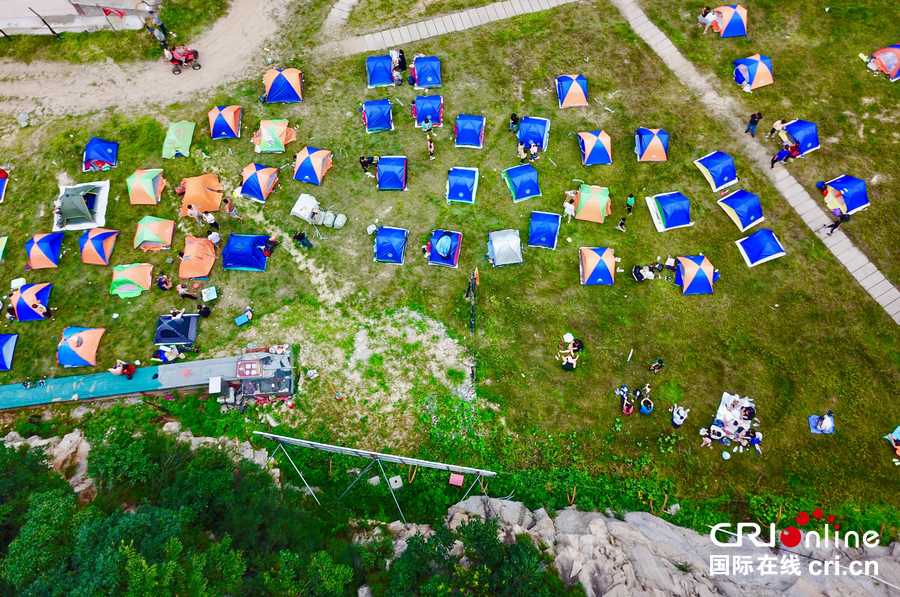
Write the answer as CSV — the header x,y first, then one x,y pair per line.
x,y
182,57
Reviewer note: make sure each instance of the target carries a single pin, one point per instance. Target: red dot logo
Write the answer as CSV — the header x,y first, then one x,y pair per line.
x,y
837,527
817,513
802,518
790,537
831,519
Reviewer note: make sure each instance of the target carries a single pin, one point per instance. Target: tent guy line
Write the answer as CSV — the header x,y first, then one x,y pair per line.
x,y
864,271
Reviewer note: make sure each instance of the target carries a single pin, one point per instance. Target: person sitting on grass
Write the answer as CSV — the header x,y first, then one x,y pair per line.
x,y
646,406
825,424
164,282
182,291
569,362
42,310
203,310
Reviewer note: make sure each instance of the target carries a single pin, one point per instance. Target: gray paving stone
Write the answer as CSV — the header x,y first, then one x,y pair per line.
x,y
431,26
544,4
458,24
378,41
637,22
555,3
516,6
405,35
873,280
391,37
506,8
467,20
841,245
485,15
879,289
439,26
642,29
806,206
816,222
370,42
655,38
894,307
888,297
855,263
865,271
896,318
421,30
475,16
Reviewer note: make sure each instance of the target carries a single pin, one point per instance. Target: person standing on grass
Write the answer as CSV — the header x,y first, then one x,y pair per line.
x,y
401,61
837,224
214,237
231,209
534,152
301,238
211,220
753,123
154,18
777,127
621,225
569,208
521,153
160,37
193,212
430,149
629,204
514,122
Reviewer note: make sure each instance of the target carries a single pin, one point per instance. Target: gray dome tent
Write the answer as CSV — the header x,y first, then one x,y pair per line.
x,y
505,247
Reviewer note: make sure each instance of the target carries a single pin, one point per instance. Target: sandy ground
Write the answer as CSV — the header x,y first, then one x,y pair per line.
x,y
227,51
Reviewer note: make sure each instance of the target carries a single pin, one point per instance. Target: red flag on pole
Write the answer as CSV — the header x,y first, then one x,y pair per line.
x,y
113,11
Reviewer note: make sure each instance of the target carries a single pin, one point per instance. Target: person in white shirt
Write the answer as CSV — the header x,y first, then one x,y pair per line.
x,y
679,415
826,422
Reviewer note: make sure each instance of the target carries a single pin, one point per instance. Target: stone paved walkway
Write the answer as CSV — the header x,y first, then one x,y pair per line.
x,y
730,111
459,21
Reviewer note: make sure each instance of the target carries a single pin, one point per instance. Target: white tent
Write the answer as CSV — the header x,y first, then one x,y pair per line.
x,y
307,209
505,247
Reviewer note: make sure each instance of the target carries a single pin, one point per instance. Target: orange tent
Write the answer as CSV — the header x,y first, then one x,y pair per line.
x,y
199,257
203,192
154,234
78,347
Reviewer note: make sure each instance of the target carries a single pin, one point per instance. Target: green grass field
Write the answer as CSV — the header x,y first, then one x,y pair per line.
x,y
820,78
376,15
798,334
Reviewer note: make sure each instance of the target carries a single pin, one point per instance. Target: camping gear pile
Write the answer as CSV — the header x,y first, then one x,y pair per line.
x,y
734,424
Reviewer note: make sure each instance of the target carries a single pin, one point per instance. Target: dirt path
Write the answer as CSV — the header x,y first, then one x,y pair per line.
x,y
227,51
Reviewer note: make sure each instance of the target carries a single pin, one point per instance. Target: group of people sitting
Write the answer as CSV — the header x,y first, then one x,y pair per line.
x,y
640,396
647,272
734,423
569,349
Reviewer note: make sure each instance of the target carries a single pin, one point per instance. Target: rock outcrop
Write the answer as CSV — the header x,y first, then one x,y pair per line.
x,y
646,556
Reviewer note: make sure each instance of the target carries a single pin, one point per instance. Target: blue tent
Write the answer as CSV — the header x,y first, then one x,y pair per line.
x,y
535,130
462,185
572,91
651,145
544,229
426,72
743,208
803,132
377,116
431,107
100,155
469,131
27,295
695,275
283,85
595,148
670,210
391,173
7,350
759,247
448,243
718,168
846,194
379,71
251,189
390,245
245,252
522,182
225,122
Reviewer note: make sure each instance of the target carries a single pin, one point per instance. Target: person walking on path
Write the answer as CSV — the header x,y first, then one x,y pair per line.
x,y
629,204
514,122
753,123
777,127
193,212
836,224
211,220
301,238
521,152
231,209
430,149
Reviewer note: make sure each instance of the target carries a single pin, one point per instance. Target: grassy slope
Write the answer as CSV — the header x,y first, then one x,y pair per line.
x,y
184,17
820,348
819,78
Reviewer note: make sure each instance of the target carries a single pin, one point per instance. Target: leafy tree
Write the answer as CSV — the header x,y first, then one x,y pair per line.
x,y
121,460
318,577
44,540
